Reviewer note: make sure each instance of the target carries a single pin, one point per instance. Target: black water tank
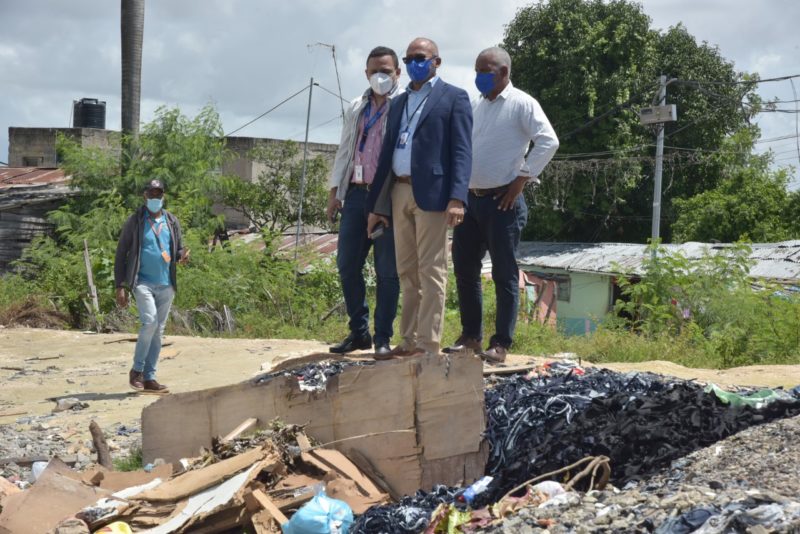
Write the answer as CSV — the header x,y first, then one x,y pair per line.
x,y
89,113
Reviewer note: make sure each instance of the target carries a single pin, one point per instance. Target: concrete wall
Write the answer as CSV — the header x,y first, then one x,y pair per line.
x,y
589,301
36,147
243,166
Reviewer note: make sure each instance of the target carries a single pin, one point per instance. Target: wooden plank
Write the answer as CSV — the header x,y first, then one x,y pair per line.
x,y
267,504
340,463
489,370
27,461
243,427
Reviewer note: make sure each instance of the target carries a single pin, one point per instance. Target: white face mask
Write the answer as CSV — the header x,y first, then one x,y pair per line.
x,y
381,83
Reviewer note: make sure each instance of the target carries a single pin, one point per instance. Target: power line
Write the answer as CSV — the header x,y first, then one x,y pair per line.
x,y
739,82
338,97
304,89
796,121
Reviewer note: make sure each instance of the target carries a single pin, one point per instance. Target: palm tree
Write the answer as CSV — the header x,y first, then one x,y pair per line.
x,y
132,29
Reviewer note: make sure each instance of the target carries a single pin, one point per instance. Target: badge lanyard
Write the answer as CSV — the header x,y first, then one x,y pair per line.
x,y
164,254
369,122
403,139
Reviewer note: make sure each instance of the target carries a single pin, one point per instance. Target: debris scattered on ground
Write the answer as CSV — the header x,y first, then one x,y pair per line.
x,y
69,403
314,376
256,481
570,450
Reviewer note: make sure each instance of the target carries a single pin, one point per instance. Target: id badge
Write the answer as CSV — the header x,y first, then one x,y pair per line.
x,y
402,140
359,174
165,256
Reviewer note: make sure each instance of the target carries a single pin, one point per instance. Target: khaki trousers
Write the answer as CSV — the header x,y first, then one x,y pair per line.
x,y
420,239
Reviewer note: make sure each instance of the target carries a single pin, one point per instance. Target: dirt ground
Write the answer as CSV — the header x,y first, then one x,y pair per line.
x,y
37,365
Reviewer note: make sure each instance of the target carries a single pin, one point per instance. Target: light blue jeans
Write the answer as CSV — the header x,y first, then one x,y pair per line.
x,y
153,303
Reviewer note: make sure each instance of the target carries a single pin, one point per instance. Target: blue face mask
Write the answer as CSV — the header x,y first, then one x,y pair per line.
x,y
418,71
484,81
154,205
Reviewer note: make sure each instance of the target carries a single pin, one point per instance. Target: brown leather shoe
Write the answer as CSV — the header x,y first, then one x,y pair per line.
x,y
494,354
151,386
463,343
398,352
135,379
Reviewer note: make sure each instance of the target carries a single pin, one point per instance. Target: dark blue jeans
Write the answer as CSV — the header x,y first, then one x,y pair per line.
x,y
353,248
487,228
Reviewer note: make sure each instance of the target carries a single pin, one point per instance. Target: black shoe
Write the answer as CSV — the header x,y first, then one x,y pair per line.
x,y
382,349
351,343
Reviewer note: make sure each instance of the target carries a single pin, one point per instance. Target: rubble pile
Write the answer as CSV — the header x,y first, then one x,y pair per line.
x,y
256,482
541,422
554,416
569,450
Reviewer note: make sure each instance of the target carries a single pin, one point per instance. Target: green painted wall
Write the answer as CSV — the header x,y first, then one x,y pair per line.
x,y
590,298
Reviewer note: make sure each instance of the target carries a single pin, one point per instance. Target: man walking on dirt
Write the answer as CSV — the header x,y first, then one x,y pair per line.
x,y
149,248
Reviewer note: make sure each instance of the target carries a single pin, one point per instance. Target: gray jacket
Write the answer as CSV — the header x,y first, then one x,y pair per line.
x,y
343,164
129,248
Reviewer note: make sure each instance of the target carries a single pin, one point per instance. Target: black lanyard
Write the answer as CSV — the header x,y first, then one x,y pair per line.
x,y
369,122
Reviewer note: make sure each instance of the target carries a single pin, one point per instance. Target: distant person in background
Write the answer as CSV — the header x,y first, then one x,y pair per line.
x,y
506,121
350,182
149,248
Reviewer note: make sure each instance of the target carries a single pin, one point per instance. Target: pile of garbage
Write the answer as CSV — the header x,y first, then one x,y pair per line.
x,y
561,415
272,480
567,447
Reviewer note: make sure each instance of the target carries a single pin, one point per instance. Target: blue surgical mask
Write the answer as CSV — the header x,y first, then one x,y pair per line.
x,y
418,71
154,205
484,81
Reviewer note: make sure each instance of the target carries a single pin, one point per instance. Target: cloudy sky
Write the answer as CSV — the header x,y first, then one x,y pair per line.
x,y
245,56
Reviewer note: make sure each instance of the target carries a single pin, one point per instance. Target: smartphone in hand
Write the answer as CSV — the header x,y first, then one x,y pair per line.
x,y
377,231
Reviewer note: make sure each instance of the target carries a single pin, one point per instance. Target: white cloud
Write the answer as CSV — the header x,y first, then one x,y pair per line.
x,y
247,55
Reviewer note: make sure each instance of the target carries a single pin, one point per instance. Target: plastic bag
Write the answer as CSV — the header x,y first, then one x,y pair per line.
x,y
321,515
118,527
756,400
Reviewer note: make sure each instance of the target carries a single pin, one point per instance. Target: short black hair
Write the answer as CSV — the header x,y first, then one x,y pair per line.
x,y
380,51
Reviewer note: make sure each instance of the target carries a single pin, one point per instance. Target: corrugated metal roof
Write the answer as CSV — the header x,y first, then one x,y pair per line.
x,y
321,243
778,261
30,176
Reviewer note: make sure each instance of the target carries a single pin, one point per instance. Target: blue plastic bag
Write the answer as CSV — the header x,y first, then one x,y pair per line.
x,y
321,515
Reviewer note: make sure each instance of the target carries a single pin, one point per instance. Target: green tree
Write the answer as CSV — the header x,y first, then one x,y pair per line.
x,y
271,202
592,65
750,202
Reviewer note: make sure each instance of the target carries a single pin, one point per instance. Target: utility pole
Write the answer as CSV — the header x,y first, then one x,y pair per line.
x,y
656,228
303,176
658,115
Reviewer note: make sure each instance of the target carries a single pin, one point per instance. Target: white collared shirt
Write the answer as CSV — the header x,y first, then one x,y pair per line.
x,y
501,132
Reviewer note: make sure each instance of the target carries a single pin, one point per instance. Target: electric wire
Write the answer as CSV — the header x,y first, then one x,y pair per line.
x,y
270,110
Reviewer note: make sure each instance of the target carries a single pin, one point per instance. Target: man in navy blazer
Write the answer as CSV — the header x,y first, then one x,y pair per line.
x,y
421,187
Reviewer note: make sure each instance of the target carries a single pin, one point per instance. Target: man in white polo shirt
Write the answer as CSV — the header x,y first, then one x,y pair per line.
x,y
505,121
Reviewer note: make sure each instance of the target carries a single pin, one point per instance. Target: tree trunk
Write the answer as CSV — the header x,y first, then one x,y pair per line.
x,y
132,29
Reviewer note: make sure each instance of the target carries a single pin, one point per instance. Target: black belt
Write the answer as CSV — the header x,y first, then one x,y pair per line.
x,y
354,185
493,191
402,179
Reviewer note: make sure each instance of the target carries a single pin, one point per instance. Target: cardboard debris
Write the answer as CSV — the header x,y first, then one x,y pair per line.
x,y
205,502
119,480
435,402
257,482
247,424
57,494
193,481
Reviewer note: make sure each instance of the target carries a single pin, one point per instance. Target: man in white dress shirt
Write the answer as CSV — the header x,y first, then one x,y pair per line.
x,y
505,122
